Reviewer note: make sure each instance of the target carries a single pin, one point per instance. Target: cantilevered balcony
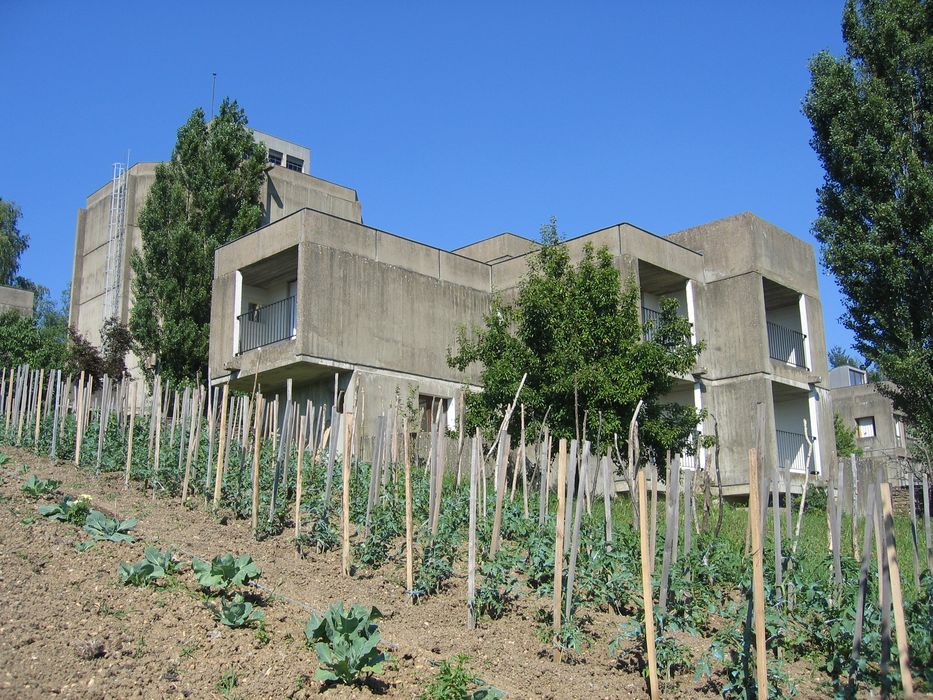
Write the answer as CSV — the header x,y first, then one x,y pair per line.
x,y
264,325
652,318
786,345
785,317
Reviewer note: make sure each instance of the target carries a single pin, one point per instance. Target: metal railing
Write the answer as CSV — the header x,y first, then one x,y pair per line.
x,y
267,324
792,450
652,316
786,345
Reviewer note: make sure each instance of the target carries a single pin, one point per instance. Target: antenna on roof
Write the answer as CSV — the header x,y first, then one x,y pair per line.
x,y
213,85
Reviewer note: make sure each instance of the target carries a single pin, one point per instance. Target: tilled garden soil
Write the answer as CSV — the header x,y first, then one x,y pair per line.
x,y
68,628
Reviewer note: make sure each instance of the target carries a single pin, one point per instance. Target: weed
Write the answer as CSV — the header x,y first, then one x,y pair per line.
x,y
454,681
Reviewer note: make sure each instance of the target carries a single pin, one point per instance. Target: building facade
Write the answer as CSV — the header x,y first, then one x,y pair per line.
x,y
107,232
880,430
15,299
315,295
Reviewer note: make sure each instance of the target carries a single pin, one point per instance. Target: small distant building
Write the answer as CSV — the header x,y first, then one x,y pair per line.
x,y
15,299
879,429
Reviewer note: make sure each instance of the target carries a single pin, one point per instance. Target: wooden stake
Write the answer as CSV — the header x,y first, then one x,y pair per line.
x,y
471,551
157,414
129,440
501,464
39,406
928,535
913,529
607,499
758,575
221,444
900,625
345,514
298,474
257,444
862,593
192,441
646,592
79,416
559,536
409,527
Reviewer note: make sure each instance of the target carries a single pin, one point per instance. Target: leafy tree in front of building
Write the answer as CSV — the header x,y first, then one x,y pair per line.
x,y
845,438
206,195
108,360
576,330
13,243
872,116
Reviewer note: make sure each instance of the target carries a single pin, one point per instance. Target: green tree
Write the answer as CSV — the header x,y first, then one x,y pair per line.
x,y
577,333
206,195
872,129
12,243
838,357
845,438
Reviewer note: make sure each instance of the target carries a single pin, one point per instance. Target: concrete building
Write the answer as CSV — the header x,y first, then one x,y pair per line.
x,y
106,232
15,299
316,293
879,429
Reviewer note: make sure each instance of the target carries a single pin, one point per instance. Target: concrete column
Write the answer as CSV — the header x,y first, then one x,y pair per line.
x,y
805,329
237,309
691,311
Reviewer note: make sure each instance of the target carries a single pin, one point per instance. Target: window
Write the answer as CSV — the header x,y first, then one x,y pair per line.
x,y
866,427
856,377
898,432
430,407
275,157
296,164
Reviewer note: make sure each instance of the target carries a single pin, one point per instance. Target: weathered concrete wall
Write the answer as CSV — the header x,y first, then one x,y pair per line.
x,y
497,248
744,242
18,300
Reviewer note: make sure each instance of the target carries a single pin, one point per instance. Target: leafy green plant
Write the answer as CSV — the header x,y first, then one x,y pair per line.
x,y
225,571
4,458
497,590
238,613
101,527
37,488
154,565
435,569
672,657
454,681
346,643
68,510
321,536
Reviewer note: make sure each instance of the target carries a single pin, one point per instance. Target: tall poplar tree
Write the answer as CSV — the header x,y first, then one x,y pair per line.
x,y
873,131
206,195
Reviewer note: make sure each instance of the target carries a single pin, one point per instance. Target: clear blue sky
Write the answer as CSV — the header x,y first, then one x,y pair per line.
x,y
453,122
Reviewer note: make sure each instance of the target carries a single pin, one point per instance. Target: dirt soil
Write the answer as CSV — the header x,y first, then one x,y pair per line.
x,y
68,628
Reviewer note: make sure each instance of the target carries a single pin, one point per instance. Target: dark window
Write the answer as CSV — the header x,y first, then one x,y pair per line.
x,y
275,157
856,377
296,164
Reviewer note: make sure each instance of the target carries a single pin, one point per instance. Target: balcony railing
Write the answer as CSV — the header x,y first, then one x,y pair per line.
x,y
792,450
267,324
652,316
786,345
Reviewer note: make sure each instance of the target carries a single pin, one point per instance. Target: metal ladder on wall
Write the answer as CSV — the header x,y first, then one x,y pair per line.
x,y
115,236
